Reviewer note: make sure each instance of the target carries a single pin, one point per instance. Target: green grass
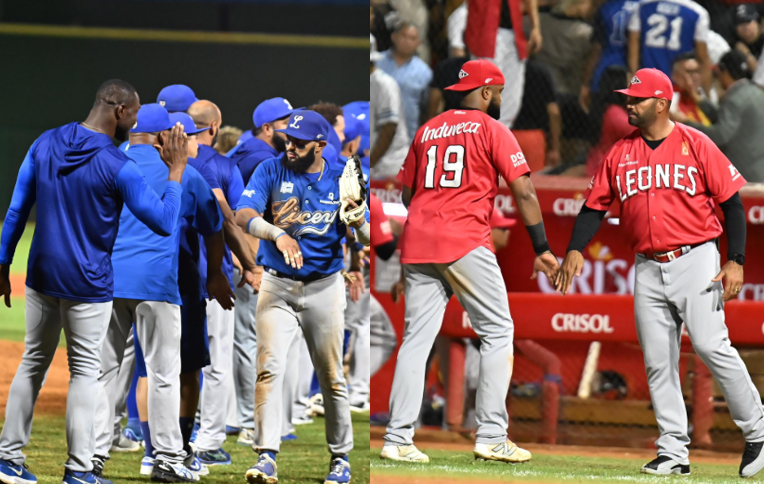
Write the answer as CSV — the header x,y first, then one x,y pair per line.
x,y
12,325
545,469
304,461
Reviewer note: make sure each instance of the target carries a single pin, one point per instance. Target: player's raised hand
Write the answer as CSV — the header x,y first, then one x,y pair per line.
x,y
219,289
290,249
732,274
173,148
571,266
546,263
5,284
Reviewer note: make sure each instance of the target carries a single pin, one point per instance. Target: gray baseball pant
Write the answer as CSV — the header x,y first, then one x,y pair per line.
x,y
215,391
244,353
284,308
158,327
124,381
84,327
302,399
382,336
357,321
477,282
665,296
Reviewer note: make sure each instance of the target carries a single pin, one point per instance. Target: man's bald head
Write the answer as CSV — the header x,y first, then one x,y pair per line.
x,y
206,114
115,92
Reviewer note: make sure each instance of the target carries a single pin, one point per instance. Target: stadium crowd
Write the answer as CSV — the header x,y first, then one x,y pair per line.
x,y
562,60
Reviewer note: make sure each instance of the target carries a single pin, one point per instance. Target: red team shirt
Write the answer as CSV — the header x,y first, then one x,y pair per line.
x,y
668,195
381,233
453,166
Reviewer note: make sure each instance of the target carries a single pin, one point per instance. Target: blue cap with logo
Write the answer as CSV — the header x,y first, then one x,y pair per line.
x,y
353,128
176,98
188,123
307,126
270,110
152,118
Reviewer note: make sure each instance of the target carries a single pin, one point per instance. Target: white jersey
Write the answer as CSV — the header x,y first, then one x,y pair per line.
x,y
387,107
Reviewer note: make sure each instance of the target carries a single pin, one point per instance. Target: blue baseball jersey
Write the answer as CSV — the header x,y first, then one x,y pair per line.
x,y
249,154
306,206
610,32
79,180
229,178
145,264
668,28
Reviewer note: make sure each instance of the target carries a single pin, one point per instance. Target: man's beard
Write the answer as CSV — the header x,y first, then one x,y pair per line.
x,y
645,119
301,164
279,143
494,110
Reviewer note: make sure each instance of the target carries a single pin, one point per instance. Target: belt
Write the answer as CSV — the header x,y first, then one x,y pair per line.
x,y
664,257
305,279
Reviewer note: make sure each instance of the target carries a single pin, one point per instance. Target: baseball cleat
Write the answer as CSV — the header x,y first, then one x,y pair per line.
x,y
264,472
172,472
339,471
403,453
147,465
195,465
11,473
753,459
664,465
362,408
304,420
215,457
246,437
133,431
504,452
72,477
232,430
288,437
98,464
124,444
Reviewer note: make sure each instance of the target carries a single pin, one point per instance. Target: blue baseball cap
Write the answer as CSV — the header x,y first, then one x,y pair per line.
x,y
353,128
307,126
152,118
188,123
270,110
360,110
176,98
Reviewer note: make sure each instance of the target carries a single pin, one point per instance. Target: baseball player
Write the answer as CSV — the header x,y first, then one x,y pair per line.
x,y
218,378
265,143
176,98
668,177
80,182
450,178
660,30
147,295
292,204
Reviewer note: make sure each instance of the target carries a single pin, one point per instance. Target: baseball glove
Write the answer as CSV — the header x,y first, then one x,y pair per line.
x,y
353,187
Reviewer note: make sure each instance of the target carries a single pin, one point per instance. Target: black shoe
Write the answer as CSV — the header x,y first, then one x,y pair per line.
x,y
753,459
664,466
98,465
166,472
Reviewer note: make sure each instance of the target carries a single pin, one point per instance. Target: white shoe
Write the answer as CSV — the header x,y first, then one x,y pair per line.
x,y
147,465
360,408
304,420
403,453
124,444
317,405
246,437
503,452
194,464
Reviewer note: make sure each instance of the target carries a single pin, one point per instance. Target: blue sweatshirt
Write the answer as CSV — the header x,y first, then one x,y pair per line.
x,y
79,180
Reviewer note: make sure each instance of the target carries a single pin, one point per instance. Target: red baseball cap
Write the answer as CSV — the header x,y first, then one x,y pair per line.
x,y
478,73
648,83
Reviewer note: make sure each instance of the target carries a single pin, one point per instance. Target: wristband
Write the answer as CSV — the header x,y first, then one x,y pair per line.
x,y
261,229
538,238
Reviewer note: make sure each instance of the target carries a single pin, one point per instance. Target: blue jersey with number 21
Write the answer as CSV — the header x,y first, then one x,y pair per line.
x,y
668,28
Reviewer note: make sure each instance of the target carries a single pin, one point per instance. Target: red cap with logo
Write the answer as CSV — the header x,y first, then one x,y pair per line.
x,y
478,73
648,83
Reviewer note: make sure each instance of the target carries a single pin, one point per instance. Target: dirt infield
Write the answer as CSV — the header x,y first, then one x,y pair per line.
x,y
697,456
52,398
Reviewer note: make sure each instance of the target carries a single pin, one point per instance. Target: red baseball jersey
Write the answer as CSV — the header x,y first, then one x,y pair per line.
x,y
453,166
668,195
